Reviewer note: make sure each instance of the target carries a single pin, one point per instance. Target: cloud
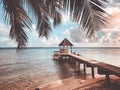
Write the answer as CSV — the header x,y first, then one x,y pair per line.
x,y
77,35
110,37
5,40
116,36
66,32
52,41
111,32
115,1
4,29
114,19
65,18
112,9
43,42
35,41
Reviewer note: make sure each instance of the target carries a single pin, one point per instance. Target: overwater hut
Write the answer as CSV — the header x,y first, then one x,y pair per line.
x,y
65,46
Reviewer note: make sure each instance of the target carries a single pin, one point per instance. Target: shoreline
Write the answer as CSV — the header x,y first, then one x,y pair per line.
x,y
98,83
73,83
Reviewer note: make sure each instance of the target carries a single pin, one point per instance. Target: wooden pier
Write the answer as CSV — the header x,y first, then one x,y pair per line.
x,y
102,68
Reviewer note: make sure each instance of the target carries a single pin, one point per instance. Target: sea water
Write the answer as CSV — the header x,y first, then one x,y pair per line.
x,y
39,63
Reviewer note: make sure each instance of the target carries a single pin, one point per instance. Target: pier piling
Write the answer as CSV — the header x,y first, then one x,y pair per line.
x,y
84,67
107,78
92,70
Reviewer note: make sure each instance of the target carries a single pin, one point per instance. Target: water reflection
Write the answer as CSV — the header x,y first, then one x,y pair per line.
x,y
67,68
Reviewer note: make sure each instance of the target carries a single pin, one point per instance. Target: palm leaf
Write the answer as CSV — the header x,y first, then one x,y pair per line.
x,y
53,7
44,10
18,20
88,13
43,26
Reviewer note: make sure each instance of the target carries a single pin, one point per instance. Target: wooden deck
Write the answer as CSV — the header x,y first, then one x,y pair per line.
x,y
103,68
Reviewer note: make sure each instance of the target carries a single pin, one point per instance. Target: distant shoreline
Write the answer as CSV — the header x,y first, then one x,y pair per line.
x,y
58,47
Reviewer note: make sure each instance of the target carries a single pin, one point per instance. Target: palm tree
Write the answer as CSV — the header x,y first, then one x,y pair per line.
x,y
88,13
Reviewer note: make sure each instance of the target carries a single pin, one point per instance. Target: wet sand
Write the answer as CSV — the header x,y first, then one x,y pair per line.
x,y
73,83
88,84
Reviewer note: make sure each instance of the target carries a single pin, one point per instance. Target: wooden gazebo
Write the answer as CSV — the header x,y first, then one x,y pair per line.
x,y
65,45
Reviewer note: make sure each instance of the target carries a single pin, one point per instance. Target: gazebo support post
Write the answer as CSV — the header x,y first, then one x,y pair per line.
x,y
60,49
71,49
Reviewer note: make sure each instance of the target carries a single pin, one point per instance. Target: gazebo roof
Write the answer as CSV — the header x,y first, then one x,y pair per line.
x,y
65,42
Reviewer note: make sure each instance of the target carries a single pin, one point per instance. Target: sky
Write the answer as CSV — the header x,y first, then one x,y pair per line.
x,y
109,37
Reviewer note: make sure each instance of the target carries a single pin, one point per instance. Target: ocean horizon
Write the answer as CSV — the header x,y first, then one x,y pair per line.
x,y
102,47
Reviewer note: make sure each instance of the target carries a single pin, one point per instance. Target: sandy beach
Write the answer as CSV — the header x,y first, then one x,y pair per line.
x,y
73,83
79,84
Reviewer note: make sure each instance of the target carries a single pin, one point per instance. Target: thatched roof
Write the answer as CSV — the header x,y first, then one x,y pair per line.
x,y
65,42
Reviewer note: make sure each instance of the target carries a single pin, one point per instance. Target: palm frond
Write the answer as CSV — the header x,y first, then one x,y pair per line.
x,y
40,10
90,14
18,20
54,7
44,10
43,26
